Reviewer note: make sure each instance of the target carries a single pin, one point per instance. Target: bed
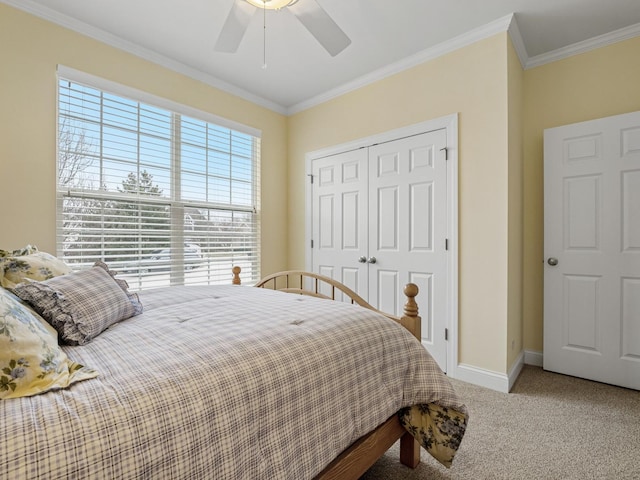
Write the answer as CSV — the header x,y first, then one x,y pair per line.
x,y
238,382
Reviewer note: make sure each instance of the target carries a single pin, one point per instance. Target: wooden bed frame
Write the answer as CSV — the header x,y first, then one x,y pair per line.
x,y
363,453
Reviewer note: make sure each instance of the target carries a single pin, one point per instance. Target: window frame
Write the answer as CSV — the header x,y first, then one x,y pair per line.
x,y
175,202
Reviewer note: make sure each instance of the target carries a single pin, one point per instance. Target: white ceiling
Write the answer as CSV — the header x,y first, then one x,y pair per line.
x,y
386,36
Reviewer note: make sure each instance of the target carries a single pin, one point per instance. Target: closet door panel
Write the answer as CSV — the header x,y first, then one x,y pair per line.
x,y
407,185
340,218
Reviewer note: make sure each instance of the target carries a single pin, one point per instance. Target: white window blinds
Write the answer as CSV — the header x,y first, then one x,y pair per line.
x,y
161,197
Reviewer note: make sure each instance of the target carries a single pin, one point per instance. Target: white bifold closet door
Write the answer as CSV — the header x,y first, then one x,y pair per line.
x,y
379,222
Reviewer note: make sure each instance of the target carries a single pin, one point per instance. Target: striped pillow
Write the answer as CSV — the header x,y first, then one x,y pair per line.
x,y
81,305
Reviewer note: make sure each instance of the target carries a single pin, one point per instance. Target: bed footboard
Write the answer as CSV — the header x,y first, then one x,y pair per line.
x,y
316,285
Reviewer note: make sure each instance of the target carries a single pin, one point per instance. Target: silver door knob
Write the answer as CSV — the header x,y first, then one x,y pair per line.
x,y
372,260
362,259
552,261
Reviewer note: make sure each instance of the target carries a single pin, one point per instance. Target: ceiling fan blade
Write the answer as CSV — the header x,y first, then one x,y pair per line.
x,y
234,27
321,26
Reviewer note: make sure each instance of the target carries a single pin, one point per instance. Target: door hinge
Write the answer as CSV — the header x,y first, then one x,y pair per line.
x,y
311,243
310,175
446,334
446,153
446,244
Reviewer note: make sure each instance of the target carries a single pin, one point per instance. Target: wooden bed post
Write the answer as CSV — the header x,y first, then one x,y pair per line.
x,y
411,320
236,275
409,446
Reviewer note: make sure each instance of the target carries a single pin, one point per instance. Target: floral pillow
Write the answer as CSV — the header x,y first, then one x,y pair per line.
x,y
31,361
82,304
28,250
29,263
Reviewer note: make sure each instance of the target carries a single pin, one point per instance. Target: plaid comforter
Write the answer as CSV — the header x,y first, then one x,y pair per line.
x,y
225,382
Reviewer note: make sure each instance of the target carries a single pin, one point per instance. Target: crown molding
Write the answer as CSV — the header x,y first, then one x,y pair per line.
x,y
468,38
507,23
600,41
518,42
146,54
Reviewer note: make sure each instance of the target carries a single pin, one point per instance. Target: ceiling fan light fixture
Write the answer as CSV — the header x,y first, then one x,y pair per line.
x,y
309,12
271,4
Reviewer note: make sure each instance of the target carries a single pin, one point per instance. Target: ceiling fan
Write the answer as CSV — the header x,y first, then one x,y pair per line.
x,y
309,12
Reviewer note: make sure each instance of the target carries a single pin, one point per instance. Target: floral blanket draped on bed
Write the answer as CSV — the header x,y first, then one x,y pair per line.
x,y
223,382
438,429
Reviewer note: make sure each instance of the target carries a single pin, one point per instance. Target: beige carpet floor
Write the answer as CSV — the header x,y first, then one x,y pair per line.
x,y
550,427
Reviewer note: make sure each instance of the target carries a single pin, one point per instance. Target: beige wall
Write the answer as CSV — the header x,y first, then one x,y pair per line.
x,y
473,82
592,85
502,114
30,50
514,337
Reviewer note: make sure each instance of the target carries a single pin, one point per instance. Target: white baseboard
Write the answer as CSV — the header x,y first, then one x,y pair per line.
x,y
480,376
495,380
533,358
515,370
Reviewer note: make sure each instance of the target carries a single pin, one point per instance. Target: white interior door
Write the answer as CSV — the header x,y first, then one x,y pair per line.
x,y
407,230
380,222
592,250
340,210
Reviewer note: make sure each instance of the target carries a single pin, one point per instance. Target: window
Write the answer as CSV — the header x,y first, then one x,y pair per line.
x,y
163,197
